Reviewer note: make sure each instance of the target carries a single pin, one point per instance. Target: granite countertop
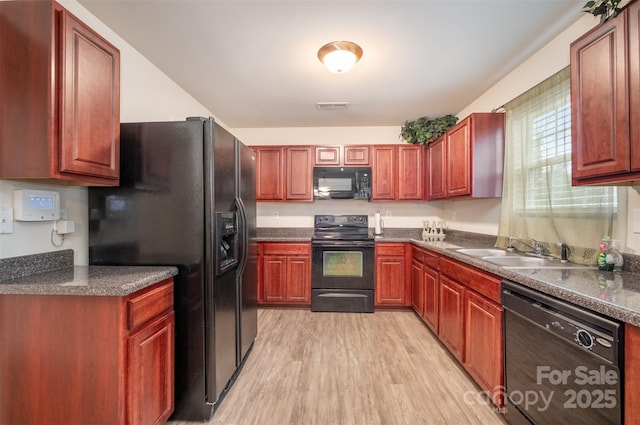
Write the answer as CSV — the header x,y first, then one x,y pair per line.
x,y
614,294
55,276
284,234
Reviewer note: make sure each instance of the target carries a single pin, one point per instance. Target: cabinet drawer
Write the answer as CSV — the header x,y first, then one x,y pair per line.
x,y
286,248
150,303
431,260
417,254
389,248
481,282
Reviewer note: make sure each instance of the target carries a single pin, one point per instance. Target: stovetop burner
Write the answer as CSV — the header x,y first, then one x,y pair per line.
x,y
341,227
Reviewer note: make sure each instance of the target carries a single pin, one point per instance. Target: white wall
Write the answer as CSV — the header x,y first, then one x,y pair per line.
x,y
300,214
318,135
146,95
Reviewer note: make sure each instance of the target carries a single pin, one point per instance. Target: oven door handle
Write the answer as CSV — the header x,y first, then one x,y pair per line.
x,y
343,244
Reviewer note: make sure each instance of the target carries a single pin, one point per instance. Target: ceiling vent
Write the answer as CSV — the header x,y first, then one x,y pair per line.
x,y
332,105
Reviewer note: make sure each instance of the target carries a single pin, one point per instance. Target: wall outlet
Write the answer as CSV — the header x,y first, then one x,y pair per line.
x,y
6,220
275,215
64,214
65,226
387,214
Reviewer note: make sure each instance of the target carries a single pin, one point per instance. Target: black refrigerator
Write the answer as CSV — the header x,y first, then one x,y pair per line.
x,y
187,198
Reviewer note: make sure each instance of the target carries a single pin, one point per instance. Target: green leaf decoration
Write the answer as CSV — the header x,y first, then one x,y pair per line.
x,y
605,9
424,130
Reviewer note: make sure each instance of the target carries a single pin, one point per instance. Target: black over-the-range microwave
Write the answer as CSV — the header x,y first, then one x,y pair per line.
x,y
341,182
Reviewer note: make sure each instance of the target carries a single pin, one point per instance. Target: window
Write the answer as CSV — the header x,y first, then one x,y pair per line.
x,y
538,200
539,123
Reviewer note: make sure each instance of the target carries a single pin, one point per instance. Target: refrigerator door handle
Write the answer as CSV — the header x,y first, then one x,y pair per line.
x,y
242,227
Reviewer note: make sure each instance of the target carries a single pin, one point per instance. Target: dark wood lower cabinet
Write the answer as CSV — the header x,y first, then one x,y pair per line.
x,y
631,374
431,282
78,360
417,287
483,344
451,324
392,287
461,305
151,377
285,273
425,286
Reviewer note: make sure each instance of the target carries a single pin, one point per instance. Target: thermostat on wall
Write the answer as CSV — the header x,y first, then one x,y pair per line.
x,y
36,205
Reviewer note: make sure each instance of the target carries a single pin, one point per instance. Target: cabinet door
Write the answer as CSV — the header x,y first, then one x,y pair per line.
x,y
269,173
634,82
150,370
384,172
356,155
274,279
410,176
431,282
327,155
599,112
390,280
483,342
417,287
458,159
90,102
299,167
436,169
450,322
298,280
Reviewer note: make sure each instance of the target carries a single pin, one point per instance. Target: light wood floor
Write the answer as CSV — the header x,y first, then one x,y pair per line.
x,y
349,369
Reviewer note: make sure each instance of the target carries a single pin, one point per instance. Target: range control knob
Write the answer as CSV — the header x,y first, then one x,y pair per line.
x,y
584,338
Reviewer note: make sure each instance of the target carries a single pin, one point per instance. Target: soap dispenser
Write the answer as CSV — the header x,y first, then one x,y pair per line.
x,y
614,258
602,256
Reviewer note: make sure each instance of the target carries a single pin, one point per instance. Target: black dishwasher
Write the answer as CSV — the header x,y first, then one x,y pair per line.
x,y
563,363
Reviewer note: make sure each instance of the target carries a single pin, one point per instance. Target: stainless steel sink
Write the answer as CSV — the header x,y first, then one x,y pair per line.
x,y
482,252
521,261
527,262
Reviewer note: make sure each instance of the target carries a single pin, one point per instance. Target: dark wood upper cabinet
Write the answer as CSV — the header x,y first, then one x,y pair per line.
x,y
605,101
269,173
327,155
436,169
633,11
383,170
299,173
468,160
600,131
284,173
351,155
356,155
397,172
410,172
60,109
458,154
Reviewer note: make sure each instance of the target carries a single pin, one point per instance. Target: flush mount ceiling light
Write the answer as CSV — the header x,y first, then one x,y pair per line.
x,y
339,56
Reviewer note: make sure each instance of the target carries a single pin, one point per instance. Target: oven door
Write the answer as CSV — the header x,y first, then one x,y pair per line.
x,y
342,265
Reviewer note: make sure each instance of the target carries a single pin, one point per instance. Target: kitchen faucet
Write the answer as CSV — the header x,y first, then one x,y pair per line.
x,y
537,247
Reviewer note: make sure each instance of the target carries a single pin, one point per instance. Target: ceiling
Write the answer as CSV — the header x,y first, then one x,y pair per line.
x,y
254,63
